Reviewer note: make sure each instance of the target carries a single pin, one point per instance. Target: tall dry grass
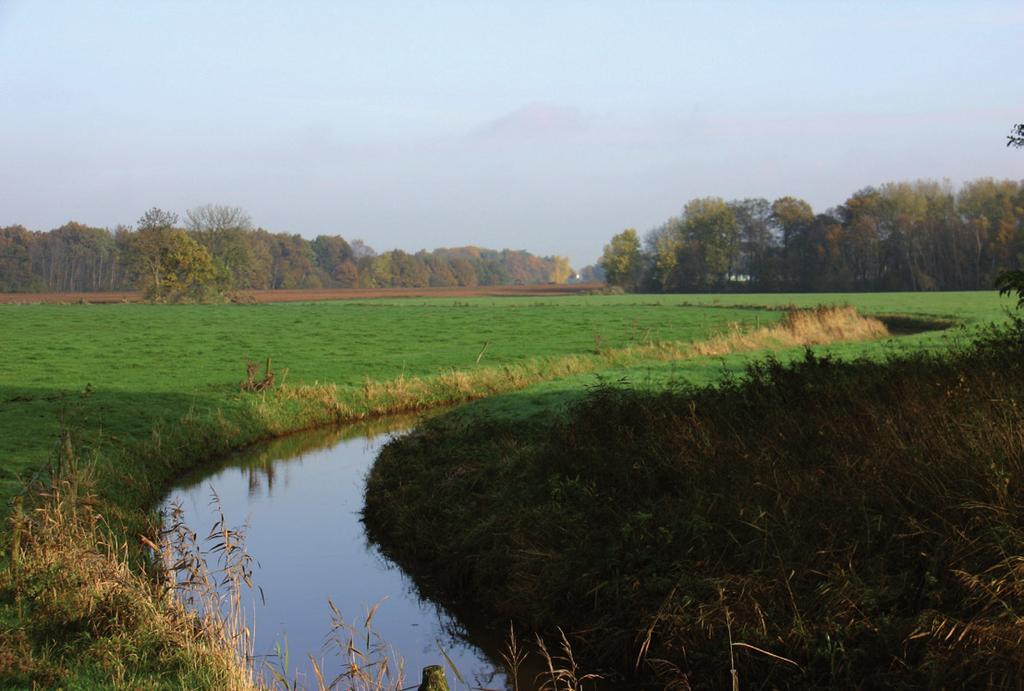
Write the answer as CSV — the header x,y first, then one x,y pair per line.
x,y
322,403
101,617
80,588
819,524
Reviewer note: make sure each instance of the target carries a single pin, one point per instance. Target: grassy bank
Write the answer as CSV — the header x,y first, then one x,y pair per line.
x,y
114,373
842,524
80,611
146,393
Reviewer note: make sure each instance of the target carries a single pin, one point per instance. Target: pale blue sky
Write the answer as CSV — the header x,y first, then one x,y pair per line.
x,y
545,126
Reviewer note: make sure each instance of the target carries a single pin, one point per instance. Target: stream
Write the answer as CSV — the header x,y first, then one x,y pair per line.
x,y
298,500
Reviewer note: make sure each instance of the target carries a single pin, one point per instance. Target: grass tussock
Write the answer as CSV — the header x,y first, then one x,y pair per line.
x,y
92,618
799,327
821,524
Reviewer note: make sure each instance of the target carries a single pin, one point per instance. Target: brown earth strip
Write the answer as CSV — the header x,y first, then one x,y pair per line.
x,y
302,295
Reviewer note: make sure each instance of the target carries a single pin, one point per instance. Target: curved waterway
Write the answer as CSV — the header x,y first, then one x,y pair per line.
x,y
300,499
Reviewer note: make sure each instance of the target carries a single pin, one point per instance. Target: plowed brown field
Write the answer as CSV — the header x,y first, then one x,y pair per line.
x,y
264,296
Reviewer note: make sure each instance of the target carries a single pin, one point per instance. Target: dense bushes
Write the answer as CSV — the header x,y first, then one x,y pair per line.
x,y
863,520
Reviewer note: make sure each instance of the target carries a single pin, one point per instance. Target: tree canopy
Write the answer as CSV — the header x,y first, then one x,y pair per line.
x,y
217,249
916,235
621,260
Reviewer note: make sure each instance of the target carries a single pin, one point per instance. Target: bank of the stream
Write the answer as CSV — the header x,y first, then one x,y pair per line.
x,y
62,624
301,498
817,524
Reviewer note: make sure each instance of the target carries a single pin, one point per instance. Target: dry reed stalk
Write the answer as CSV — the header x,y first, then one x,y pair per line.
x,y
328,403
91,585
563,673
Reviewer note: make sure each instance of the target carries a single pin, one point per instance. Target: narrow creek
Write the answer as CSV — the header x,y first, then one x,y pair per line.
x,y
299,500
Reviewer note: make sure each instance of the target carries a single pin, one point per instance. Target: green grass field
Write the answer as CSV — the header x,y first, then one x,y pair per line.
x,y
120,369
112,372
149,392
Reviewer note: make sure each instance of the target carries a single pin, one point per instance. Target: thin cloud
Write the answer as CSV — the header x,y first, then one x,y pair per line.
x,y
534,120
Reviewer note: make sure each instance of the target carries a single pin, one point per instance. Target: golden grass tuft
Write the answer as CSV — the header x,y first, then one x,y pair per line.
x,y
817,326
87,603
327,403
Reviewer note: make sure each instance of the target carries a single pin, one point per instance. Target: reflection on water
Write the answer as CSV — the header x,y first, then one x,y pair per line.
x,y
301,497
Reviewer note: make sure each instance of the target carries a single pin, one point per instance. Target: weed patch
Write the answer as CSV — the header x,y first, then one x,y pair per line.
x,y
819,524
73,582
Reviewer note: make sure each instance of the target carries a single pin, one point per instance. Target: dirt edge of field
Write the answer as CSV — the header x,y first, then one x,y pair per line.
x,y
302,295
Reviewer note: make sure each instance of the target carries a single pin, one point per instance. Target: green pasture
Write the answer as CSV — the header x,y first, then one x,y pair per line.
x,y
152,391
110,373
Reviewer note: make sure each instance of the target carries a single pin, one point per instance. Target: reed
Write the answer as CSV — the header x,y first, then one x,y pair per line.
x,y
84,596
816,524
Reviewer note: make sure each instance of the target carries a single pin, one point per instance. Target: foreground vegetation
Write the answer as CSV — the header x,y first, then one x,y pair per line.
x,y
813,524
144,393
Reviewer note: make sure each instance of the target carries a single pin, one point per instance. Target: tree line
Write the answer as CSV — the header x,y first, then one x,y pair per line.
x,y
216,249
920,235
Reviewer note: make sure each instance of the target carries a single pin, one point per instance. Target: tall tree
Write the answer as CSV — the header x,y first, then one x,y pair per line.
x,y
224,231
334,258
293,264
166,263
792,218
663,245
993,216
464,272
561,271
711,243
15,259
759,260
621,260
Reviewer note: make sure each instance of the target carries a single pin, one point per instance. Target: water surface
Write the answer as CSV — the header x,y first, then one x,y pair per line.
x,y
301,498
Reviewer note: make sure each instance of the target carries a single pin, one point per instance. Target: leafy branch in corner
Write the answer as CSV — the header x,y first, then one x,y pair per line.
x,y
1012,282
1016,136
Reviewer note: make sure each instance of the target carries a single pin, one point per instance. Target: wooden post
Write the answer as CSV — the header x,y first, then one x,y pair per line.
x,y
434,679
486,343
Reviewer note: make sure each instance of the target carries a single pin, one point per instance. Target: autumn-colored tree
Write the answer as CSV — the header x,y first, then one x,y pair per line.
x,y
293,264
15,259
561,270
621,260
464,272
439,269
167,264
663,245
226,232
992,212
334,260
791,218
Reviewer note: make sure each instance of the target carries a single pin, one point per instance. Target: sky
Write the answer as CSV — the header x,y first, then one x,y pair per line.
x,y
545,126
